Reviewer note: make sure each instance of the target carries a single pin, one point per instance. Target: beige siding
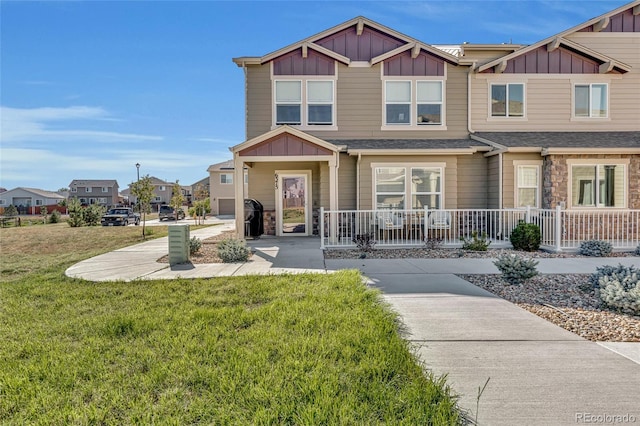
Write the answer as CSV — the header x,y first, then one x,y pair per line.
x,y
549,96
347,182
508,173
472,181
450,176
258,100
493,182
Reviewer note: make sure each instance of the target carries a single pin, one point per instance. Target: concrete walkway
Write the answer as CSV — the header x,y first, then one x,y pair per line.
x,y
539,374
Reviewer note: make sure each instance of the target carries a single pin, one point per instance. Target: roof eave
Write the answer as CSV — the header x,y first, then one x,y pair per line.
x,y
415,151
583,150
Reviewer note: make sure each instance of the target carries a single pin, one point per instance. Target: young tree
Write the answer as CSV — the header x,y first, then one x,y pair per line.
x,y
201,206
143,191
76,213
177,199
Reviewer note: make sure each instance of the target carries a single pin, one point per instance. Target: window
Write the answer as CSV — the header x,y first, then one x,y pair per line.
x,y
1,201
590,100
105,189
88,189
226,178
74,189
598,185
507,100
158,199
422,186
312,106
163,188
102,201
527,185
38,202
423,109
83,201
246,178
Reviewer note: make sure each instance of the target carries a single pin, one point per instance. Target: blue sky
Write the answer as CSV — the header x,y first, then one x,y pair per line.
x,y
90,88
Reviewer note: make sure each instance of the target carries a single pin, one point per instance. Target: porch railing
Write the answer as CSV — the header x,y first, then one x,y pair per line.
x,y
560,229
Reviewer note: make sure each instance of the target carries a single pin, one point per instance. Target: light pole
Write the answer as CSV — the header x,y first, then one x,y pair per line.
x,y
137,196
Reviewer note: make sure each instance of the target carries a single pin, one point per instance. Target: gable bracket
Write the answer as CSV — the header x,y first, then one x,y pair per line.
x,y
415,50
636,10
554,44
305,50
605,67
501,67
601,25
360,27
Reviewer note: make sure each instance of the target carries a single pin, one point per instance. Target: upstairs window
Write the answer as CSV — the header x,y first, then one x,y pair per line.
x,y
590,101
304,102
507,100
105,189
88,189
226,178
413,103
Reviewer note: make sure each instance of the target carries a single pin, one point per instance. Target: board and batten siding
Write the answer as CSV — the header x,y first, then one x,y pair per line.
x,y
450,176
493,182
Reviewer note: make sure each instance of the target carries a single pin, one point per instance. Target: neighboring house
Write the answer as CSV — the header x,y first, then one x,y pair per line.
x,y
31,200
93,191
162,193
221,188
362,117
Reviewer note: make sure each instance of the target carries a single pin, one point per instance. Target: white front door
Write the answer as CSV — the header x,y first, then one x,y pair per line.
x,y
292,203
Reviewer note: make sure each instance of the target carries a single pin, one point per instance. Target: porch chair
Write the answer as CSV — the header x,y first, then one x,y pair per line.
x,y
439,223
390,221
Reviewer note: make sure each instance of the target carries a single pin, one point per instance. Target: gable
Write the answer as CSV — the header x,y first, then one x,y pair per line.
x,y
541,61
425,64
369,44
623,22
284,144
294,63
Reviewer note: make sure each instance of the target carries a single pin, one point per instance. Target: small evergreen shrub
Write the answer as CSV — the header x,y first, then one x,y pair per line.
x,y
620,290
365,242
475,243
55,217
516,269
595,248
76,213
526,237
93,213
606,270
433,243
232,250
195,244
11,211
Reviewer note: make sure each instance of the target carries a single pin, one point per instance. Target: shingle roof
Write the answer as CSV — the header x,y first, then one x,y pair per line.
x,y
40,192
93,182
564,139
396,144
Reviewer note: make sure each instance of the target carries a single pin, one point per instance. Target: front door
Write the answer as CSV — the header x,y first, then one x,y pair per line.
x,y
292,198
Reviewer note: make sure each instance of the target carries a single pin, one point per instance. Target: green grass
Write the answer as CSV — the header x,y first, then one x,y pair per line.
x,y
296,349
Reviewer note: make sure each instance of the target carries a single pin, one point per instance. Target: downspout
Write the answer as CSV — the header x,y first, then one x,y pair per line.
x,y
471,69
358,181
500,180
246,101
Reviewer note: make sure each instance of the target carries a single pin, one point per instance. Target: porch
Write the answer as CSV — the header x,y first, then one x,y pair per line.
x,y
561,229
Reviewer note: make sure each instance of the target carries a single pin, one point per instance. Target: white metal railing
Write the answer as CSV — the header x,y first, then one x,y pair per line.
x,y
560,229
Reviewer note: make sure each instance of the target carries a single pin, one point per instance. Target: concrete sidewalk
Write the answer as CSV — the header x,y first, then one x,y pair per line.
x,y
538,373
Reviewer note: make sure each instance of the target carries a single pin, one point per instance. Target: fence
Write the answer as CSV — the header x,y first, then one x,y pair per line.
x,y
560,229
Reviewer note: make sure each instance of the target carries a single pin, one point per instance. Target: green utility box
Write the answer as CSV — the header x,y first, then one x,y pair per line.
x,y
178,244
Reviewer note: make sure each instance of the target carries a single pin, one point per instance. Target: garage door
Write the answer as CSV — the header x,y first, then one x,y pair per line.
x,y
226,207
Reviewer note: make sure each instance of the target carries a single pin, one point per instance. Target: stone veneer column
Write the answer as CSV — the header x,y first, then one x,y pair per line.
x,y
634,182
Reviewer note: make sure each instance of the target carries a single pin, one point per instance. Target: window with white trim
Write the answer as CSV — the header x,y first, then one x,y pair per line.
x,y
591,100
157,199
507,100
598,185
226,178
305,102
527,185
413,103
74,189
38,202
88,189
102,200
1,202
105,189
422,186
163,188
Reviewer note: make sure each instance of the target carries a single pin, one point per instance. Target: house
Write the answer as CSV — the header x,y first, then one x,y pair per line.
x,y
31,200
360,117
93,191
162,193
221,188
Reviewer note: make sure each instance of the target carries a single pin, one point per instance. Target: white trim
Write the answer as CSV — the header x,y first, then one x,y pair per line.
x,y
308,185
304,105
413,103
407,186
507,117
575,83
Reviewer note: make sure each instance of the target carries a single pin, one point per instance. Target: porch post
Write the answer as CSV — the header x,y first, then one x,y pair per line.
x,y
558,229
333,200
238,187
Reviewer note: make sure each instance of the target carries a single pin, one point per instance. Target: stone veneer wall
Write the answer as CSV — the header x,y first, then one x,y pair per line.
x,y
555,178
269,222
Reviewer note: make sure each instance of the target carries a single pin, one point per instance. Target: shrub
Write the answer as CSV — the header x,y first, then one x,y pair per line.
x,y
232,250
475,243
195,244
55,217
516,269
76,213
11,211
638,250
595,248
620,290
365,242
606,270
93,213
526,237
433,243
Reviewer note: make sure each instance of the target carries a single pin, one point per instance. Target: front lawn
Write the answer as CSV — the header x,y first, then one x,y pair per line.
x,y
297,349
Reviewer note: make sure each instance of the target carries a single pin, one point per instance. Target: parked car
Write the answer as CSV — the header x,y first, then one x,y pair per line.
x,y
168,212
120,216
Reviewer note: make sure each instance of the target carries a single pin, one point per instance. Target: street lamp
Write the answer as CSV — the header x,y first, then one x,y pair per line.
x,y
138,197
